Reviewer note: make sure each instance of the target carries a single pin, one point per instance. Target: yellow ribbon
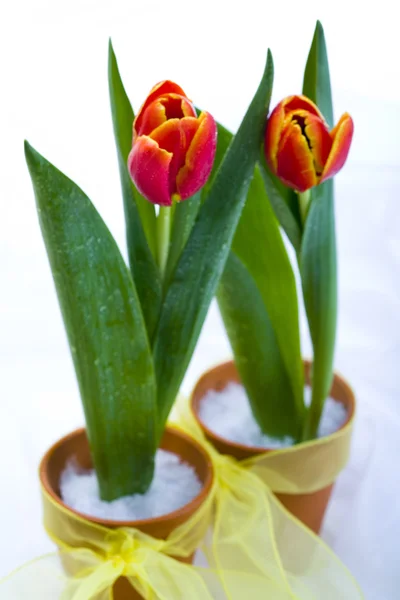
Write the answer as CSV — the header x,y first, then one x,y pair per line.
x,y
97,557
306,467
256,543
255,548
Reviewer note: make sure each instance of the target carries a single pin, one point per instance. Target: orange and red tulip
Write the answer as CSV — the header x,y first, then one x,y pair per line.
x,y
300,149
173,149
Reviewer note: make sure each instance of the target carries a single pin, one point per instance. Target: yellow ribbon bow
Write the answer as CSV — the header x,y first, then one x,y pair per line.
x,y
92,558
254,547
256,544
153,574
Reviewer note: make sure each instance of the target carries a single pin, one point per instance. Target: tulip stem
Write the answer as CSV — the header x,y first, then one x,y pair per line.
x,y
304,201
163,237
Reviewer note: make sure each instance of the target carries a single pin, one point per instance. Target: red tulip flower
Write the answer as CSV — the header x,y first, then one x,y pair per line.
x,y
173,149
299,147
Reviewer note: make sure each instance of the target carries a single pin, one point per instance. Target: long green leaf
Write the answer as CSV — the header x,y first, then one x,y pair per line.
x,y
318,252
276,405
258,244
202,261
257,354
317,83
123,117
105,328
139,213
283,199
185,214
319,280
285,205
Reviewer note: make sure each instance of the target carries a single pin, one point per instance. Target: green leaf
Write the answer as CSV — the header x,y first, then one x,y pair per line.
x,y
139,213
319,280
317,83
285,205
184,217
259,245
249,325
203,258
105,328
318,252
256,350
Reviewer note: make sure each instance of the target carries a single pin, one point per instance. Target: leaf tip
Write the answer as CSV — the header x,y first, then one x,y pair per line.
x,y
111,56
270,60
31,156
269,67
319,34
111,52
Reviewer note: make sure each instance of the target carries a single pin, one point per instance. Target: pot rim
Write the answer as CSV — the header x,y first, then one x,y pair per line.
x,y
188,509
257,450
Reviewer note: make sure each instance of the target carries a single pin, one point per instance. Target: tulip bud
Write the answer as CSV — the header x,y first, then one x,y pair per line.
x,y
300,149
173,149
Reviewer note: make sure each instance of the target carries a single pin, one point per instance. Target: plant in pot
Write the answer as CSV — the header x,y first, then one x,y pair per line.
x,y
132,331
292,190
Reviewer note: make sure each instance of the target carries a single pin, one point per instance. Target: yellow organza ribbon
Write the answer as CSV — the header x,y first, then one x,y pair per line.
x,y
98,556
255,548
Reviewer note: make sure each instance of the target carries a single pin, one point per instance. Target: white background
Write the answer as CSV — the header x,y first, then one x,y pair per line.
x,y
53,68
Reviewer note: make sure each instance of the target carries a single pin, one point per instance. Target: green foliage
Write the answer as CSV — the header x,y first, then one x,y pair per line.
x,y
185,214
317,83
285,204
258,301
318,250
113,315
319,281
105,328
257,294
132,333
140,216
259,245
202,261
256,351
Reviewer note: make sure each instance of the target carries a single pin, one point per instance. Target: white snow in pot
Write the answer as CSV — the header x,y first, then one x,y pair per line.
x,y
228,414
174,485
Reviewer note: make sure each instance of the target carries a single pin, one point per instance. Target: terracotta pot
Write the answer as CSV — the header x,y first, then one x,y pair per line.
x,y
308,508
75,445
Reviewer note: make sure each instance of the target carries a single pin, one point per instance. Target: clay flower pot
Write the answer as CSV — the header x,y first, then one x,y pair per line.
x,y
75,445
308,508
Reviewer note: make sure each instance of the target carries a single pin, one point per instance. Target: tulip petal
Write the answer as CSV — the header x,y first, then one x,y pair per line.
x,y
273,135
161,89
165,87
341,135
320,141
199,157
161,110
175,136
168,136
149,167
295,160
295,103
152,117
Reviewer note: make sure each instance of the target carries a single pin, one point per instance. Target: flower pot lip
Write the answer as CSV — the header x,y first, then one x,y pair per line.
x,y
242,450
182,513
